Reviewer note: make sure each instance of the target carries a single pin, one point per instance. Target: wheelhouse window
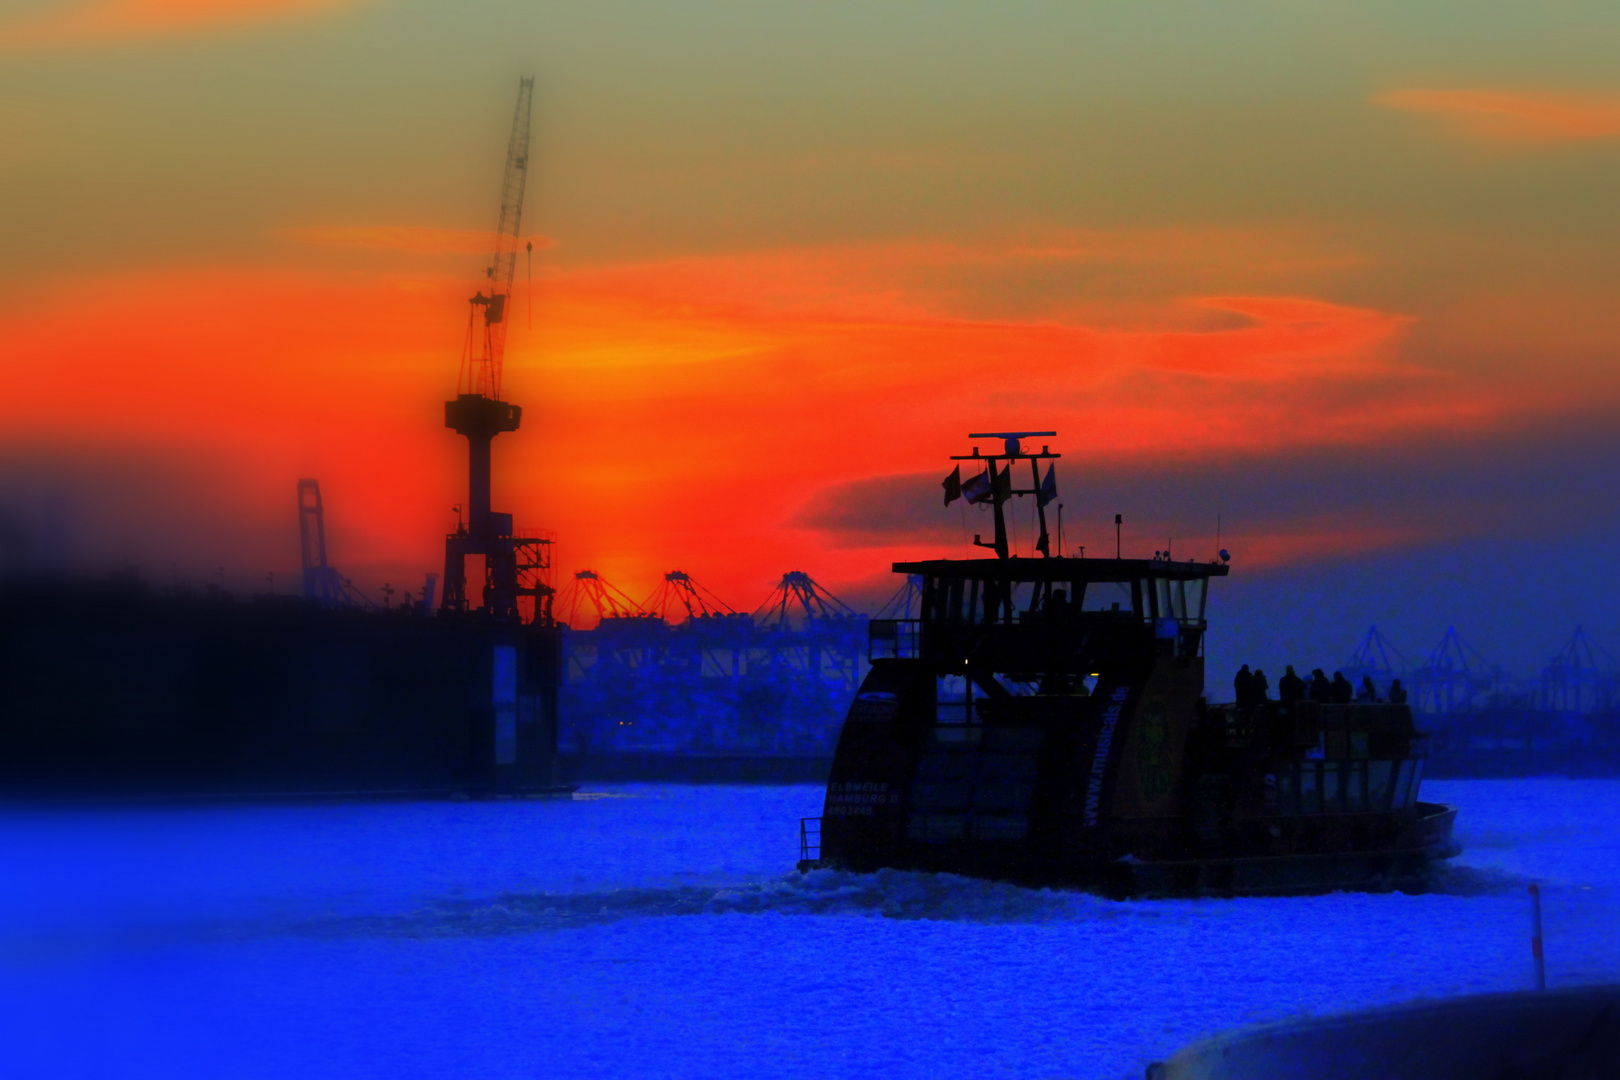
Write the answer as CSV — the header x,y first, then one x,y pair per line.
x,y
1197,596
990,601
1106,596
1180,599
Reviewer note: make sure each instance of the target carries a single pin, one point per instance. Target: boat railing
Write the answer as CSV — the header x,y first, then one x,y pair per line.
x,y
894,639
809,839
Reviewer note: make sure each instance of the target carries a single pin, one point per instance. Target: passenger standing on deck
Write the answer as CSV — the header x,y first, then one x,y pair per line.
x,y
1343,692
1243,687
1368,694
1261,688
1321,689
1290,688
1397,693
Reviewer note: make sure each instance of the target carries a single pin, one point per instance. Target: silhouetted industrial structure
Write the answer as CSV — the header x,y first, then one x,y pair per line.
x,y
116,687
323,585
514,565
684,674
1486,722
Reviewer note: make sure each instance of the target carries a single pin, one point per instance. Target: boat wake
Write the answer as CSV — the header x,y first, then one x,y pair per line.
x,y
885,894
890,894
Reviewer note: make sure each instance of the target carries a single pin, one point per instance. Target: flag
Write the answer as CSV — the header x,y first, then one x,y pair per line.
x,y
953,486
978,489
1003,483
1048,490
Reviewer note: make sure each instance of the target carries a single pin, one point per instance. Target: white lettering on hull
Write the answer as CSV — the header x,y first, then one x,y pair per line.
x,y
1099,760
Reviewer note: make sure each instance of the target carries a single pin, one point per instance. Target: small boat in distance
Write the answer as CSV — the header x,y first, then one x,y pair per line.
x,y
1043,721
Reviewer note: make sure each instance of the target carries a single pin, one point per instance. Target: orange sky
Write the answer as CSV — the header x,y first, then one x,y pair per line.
x,y
778,265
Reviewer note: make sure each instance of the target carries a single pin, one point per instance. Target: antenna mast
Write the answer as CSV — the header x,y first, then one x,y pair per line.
x,y
995,485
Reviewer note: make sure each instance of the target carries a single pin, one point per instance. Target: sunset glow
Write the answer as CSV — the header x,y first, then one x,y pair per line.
x,y
763,308
1515,116
88,21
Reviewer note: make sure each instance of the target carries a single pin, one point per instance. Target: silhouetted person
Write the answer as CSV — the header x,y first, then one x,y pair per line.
x,y
1321,689
1260,687
1368,692
1243,687
1343,692
1290,688
1397,693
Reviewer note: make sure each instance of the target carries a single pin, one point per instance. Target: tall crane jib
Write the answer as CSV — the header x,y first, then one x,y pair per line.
x,y
511,562
482,372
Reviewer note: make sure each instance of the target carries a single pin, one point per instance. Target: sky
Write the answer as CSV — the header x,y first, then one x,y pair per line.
x,y
1335,280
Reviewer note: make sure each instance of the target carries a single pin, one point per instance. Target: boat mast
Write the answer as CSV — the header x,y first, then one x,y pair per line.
x,y
1001,488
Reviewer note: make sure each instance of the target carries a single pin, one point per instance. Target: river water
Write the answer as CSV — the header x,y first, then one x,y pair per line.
x,y
658,931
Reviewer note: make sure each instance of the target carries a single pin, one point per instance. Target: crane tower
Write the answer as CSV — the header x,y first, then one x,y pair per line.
x,y
479,413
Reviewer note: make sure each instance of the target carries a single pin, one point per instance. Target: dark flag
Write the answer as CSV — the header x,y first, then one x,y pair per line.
x,y
1048,490
978,489
953,486
1003,483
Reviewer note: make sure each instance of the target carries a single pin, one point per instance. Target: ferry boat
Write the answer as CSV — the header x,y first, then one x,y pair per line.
x,y
1044,721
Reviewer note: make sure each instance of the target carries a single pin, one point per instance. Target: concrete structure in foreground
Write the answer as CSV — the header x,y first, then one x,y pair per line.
x,y
1530,1035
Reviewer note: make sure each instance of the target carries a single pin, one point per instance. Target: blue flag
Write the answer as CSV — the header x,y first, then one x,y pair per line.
x,y
1048,490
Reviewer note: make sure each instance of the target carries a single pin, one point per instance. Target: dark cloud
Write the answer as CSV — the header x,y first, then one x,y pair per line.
x,y
1513,538
63,510
183,517
1542,481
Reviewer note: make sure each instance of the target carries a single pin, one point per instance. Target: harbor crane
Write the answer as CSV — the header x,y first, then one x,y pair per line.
x,y
323,585
479,413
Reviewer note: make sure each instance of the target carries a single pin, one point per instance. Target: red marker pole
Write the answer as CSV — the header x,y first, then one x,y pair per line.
x,y
1535,937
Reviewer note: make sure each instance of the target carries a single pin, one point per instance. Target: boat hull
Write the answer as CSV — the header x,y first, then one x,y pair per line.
x,y
1134,789
1409,868
1410,865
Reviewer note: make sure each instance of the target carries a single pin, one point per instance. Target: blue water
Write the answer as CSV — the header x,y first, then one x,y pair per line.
x,y
649,930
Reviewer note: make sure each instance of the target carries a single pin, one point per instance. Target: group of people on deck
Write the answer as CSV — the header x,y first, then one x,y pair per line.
x,y
1252,688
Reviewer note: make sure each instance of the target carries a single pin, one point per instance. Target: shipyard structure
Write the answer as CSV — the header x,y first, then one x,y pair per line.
x,y
681,686
714,694
1485,722
115,687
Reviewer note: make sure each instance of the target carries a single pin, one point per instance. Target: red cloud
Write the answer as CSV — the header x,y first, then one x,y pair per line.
x,y
682,413
1515,116
84,21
